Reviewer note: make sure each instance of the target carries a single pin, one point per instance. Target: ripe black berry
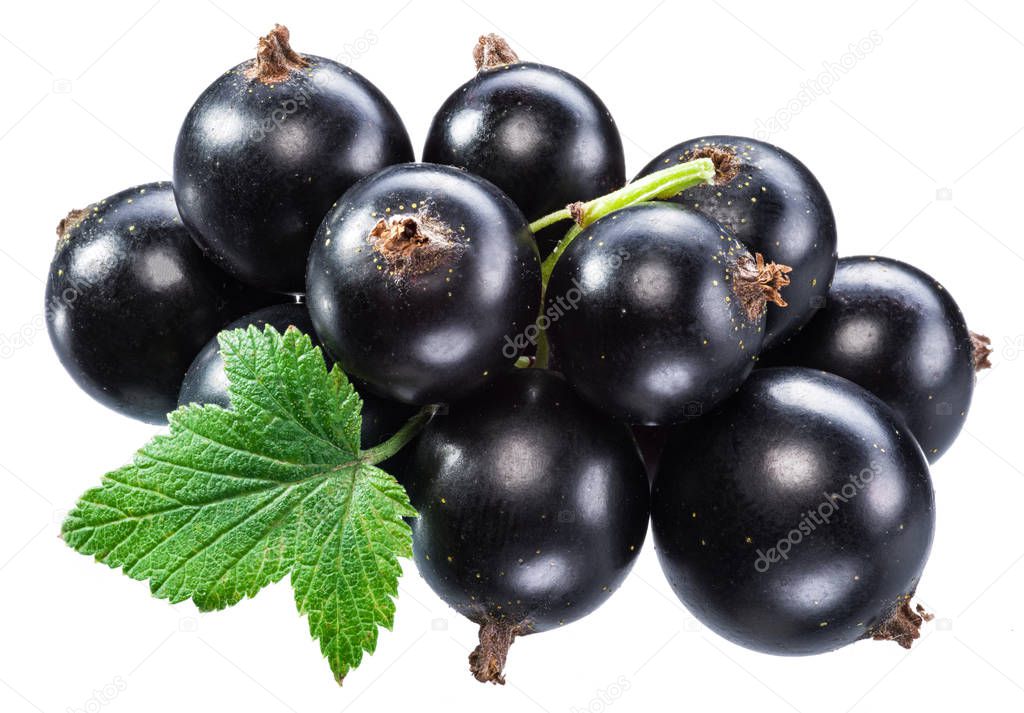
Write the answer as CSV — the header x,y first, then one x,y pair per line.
x,y
657,314
268,147
775,206
533,507
130,300
538,133
898,333
798,517
417,278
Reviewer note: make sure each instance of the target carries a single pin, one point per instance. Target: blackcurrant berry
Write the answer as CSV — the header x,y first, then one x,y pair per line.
x,y
657,314
797,518
775,206
420,278
533,507
130,300
898,333
538,133
207,383
268,147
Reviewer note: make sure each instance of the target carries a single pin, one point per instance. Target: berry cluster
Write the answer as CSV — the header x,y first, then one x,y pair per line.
x,y
560,314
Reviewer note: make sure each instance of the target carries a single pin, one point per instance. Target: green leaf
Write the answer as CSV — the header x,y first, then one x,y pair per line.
x,y
231,500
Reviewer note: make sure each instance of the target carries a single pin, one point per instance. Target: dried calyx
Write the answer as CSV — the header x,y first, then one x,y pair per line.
x,y
492,51
487,662
413,244
904,625
70,221
982,346
275,58
756,283
577,211
727,166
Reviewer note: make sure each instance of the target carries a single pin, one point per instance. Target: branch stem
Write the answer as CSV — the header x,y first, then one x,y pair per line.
x,y
661,184
550,219
406,433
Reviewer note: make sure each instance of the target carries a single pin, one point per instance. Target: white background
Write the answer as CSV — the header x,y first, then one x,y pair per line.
x,y
918,142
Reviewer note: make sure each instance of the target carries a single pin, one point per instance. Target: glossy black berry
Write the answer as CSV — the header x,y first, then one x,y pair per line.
x,y
266,150
533,507
657,314
538,133
417,280
775,206
898,333
207,383
130,300
798,517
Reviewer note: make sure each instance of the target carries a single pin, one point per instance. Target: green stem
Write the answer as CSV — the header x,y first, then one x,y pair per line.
x,y
550,219
658,185
406,433
541,360
548,266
